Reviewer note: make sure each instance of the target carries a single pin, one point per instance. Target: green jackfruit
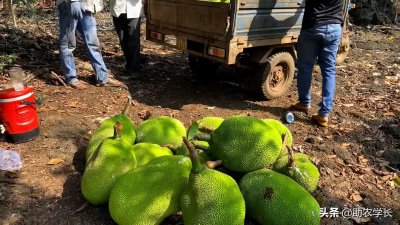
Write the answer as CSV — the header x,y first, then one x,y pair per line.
x,y
284,132
145,152
299,167
149,194
204,125
211,197
275,199
162,130
113,158
106,129
244,143
282,129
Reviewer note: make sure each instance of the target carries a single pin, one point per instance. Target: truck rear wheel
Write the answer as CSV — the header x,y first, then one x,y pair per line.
x,y
202,67
276,75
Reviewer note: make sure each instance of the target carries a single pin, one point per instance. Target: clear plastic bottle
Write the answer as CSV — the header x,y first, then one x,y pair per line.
x,y
17,79
289,117
9,160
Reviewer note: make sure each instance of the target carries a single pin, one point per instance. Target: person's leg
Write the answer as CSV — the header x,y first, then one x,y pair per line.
x,y
132,42
88,30
307,51
67,43
327,62
120,25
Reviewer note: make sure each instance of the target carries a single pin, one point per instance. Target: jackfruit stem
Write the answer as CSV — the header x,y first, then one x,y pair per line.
x,y
117,130
201,147
206,129
127,105
292,158
197,167
213,164
203,137
285,140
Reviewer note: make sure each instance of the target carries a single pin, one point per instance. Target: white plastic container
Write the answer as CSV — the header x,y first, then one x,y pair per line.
x,y
9,160
16,77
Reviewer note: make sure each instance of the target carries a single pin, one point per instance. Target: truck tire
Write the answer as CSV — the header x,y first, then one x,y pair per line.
x,y
202,67
276,75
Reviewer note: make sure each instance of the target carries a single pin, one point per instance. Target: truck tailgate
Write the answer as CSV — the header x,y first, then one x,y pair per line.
x,y
200,18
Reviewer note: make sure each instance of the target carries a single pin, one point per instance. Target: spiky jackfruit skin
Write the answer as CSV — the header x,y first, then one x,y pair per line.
x,y
275,199
149,194
145,152
303,171
282,129
161,130
106,129
212,197
245,144
112,159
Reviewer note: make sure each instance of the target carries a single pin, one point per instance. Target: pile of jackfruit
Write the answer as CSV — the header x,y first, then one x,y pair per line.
x,y
217,171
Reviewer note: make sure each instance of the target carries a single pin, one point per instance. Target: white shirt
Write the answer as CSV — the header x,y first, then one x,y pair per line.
x,y
132,8
92,5
87,5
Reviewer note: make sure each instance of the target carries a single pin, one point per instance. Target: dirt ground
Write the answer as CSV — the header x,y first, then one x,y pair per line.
x,y
357,155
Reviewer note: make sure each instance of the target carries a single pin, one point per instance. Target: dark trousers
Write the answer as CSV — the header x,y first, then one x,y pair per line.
x,y
128,31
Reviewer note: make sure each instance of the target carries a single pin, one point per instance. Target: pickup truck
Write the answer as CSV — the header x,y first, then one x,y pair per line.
x,y
259,35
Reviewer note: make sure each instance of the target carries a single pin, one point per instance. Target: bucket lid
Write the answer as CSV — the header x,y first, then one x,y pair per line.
x,y
11,93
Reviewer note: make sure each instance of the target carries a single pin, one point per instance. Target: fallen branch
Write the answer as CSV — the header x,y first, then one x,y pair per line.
x,y
86,204
56,77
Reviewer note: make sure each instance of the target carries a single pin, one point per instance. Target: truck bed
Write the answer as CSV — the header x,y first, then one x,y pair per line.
x,y
242,23
206,19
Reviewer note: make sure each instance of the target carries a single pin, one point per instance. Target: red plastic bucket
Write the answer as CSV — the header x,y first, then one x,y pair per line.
x,y
18,114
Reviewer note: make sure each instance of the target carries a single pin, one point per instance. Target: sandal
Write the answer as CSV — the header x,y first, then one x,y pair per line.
x,y
78,85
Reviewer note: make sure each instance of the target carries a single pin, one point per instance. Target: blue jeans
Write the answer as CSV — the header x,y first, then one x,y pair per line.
x,y
320,43
67,43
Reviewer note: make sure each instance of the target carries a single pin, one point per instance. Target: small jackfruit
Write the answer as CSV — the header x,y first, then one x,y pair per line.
x,y
282,129
162,130
150,193
275,199
106,129
113,158
299,167
211,197
145,152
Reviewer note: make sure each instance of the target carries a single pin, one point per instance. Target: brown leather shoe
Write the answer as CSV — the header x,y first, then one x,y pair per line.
x,y
300,107
320,120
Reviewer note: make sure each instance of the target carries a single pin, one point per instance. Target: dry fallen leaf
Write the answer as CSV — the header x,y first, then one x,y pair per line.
x,y
356,197
72,104
362,160
345,145
331,156
55,161
396,182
